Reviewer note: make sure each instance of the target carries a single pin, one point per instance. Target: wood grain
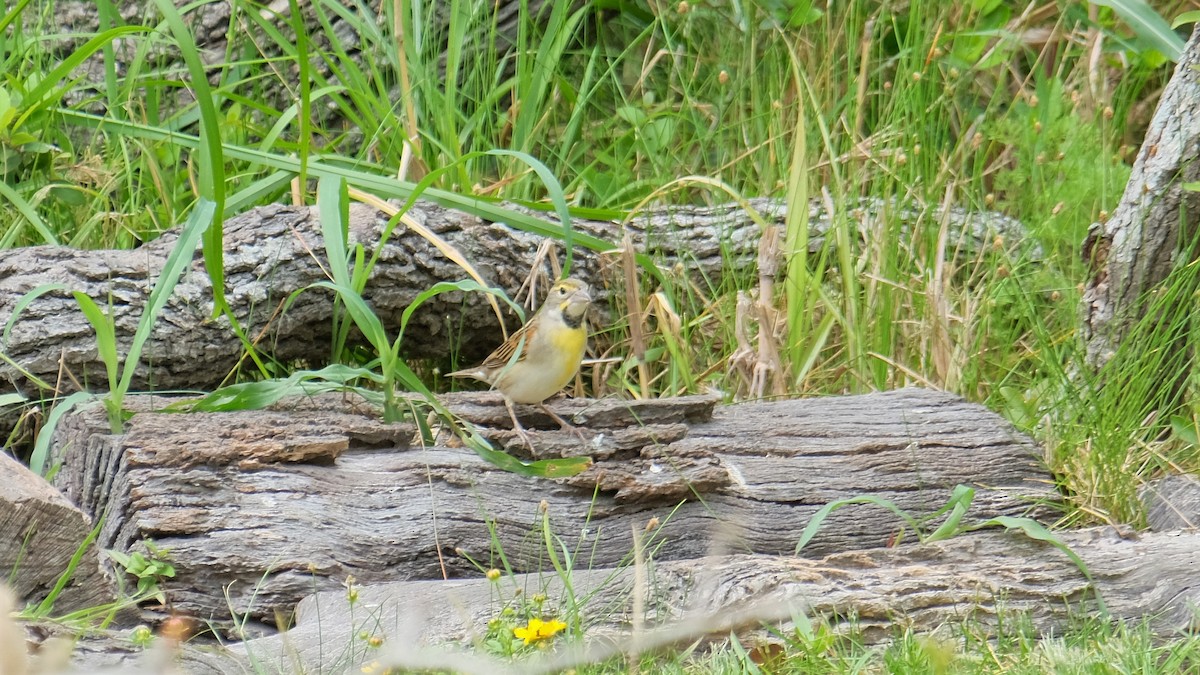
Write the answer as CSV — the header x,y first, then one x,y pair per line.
x,y
267,507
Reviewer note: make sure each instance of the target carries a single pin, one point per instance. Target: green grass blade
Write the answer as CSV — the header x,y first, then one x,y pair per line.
x,y
1148,25
818,519
543,468
46,606
177,263
24,302
29,212
380,185
959,504
106,335
263,393
211,167
51,87
466,286
1035,530
333,207
11,15
41,447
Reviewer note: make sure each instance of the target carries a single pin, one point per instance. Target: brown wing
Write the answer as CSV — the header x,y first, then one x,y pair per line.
x,y
504,353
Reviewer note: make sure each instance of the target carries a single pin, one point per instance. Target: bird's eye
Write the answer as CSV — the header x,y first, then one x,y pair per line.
x,y
562,290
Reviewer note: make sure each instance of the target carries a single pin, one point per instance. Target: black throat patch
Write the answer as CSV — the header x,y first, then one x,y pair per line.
x,y
572,322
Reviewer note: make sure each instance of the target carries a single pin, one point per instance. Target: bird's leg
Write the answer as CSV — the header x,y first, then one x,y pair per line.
x,y
517,424
566,426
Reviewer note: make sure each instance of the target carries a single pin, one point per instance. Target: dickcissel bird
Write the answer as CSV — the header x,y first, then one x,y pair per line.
x,y
539,360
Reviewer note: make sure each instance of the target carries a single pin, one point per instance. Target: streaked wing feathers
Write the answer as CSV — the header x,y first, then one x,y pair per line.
x,y
519,340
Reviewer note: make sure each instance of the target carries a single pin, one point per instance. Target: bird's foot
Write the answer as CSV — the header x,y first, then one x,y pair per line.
x,y
562,423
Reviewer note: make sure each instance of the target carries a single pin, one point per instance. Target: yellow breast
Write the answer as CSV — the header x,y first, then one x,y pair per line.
x,y
552,361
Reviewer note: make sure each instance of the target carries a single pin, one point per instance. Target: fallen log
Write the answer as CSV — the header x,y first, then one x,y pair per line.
x,y
274,251
40,533
988,579
259,509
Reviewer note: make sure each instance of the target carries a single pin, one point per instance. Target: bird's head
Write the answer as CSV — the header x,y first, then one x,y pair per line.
x,y
571,297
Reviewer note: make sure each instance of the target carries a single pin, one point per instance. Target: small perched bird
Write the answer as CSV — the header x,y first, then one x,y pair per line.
x,y
538,360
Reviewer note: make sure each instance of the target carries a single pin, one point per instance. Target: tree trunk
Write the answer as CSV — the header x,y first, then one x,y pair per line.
x,y
1152,232
259,509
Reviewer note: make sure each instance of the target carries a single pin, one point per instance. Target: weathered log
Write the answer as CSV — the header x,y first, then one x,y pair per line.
x,y
274,251
1152,231
113,652
40,531
988,579
259,509
1172,503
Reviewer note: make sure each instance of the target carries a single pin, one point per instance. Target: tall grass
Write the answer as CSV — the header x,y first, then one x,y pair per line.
x,y
924,107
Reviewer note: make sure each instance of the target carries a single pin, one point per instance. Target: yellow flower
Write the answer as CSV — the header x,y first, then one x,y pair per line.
x,y
539,630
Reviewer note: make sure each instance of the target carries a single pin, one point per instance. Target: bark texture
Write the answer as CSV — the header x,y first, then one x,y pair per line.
x,y
219,33
989,579
1172,503
259,509
40,531
1152,228
274,251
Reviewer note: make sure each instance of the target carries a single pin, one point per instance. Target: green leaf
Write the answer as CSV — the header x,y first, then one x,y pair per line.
x,y
41,447
12,14
106,335
366,320
259,395
7,110
466,285
1186,18
959,504
24,302
1147,24
383,186
51,87
545,468
333,207
818,519
29,213
1185,429
1035,530
47,605
177,263
211,168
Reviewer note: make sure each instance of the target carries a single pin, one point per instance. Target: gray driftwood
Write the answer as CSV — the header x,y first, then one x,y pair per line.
x,y
986,579
1133,252
273,251
1172,503
40,531
269,506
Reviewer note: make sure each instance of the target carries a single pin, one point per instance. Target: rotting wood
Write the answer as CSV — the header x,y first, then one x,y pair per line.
x,y
988,579
266,507
275,251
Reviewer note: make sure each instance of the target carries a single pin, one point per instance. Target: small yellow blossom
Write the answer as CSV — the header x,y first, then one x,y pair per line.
x,y
493,574
539,630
